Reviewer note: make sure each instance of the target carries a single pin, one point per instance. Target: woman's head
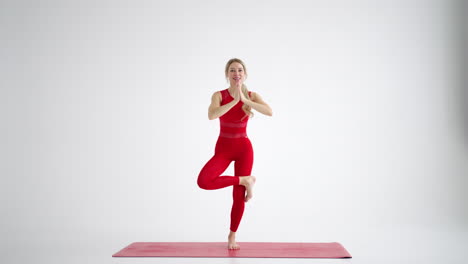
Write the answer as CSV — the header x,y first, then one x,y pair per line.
x,y
235,71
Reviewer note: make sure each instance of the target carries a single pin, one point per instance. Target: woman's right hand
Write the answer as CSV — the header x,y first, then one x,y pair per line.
x,y
237,96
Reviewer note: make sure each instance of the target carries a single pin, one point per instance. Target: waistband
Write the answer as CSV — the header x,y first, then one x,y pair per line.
x,y
232,135
233,129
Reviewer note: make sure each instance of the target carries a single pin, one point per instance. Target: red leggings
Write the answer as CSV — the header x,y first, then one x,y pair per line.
x,y
240,151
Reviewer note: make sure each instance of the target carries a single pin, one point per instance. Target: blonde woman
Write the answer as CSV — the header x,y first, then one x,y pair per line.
x,y
233,106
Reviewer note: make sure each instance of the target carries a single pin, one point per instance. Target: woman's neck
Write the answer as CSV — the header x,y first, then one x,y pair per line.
x,y
232,89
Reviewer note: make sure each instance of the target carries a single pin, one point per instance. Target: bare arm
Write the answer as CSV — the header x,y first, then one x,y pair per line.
x,y
216,109
257,103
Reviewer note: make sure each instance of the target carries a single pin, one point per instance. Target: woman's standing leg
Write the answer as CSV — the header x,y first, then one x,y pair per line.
x,y
242,166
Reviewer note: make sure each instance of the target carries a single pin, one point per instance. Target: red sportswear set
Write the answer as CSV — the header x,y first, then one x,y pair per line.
x,y
232,145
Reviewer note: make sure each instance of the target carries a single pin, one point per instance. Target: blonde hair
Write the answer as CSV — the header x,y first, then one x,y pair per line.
x,y
247,109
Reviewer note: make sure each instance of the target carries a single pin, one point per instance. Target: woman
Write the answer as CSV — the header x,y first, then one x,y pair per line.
x,y
233,106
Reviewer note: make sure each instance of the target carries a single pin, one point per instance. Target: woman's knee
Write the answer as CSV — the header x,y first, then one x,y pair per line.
x,y
238,194
203,181
203,184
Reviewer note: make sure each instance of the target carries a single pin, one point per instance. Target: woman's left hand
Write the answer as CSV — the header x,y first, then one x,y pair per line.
x,y
242,96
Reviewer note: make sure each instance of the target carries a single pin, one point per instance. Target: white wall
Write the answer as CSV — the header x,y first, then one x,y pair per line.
x,y
104,119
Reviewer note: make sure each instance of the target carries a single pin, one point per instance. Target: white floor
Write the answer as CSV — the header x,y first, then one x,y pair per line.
x,y
393,246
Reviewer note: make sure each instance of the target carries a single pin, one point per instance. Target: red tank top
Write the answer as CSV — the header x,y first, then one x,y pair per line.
x,y
233,124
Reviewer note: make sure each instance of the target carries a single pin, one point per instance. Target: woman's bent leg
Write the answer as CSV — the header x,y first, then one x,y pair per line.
x,y
209,177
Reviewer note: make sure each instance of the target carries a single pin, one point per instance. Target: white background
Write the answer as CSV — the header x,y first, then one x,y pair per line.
x,y
105,128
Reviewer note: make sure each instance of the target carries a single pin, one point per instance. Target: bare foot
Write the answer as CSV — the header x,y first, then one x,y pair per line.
x,y
249,188
232,241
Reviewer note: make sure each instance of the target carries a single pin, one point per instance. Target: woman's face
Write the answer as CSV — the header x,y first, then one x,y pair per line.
x,y
236,73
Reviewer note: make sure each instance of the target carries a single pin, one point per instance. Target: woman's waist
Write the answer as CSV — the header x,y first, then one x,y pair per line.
x,y
232,131
233,141
241,134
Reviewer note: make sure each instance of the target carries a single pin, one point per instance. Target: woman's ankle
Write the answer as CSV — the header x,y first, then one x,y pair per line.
x,y
242,180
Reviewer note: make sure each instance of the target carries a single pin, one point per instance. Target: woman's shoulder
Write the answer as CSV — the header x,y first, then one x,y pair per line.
x,y
220,94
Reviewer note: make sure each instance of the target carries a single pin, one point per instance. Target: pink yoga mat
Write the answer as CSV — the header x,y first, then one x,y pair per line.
x,y
247,250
